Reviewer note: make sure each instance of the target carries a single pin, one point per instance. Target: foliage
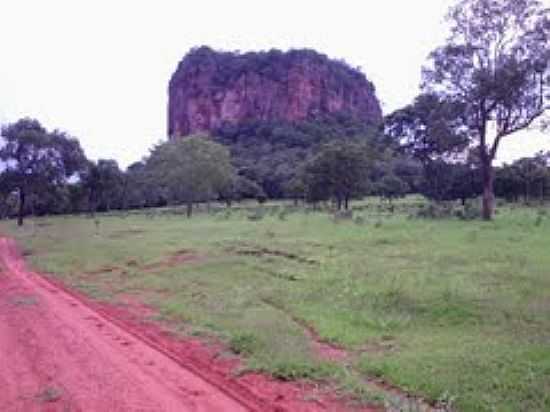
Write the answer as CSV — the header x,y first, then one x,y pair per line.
x,y
272,154
527,178
450,181
244,343
141,189
105,184
36,161
242,188
229,66
340,170
192,169
430,128
392,187
494,65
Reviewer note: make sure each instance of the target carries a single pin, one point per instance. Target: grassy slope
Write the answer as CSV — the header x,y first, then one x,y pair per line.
x,y
448,309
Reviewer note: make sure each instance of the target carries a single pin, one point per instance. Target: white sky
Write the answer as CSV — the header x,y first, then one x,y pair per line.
x,y
100,69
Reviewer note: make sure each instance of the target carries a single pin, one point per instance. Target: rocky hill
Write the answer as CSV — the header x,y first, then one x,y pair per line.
x,y
212,89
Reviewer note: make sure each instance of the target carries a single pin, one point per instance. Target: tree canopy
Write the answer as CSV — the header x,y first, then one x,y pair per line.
x,y
430,128
37,161
191,169
340,170
271,154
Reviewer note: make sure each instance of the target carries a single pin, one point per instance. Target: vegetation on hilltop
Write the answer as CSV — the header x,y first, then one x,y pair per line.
x,y
210,89
271,154
273,64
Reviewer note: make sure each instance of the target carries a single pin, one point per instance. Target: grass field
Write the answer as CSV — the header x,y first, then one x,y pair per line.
x,y
451,310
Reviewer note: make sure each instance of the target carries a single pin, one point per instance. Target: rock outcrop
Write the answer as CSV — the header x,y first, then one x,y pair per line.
x,y
211,89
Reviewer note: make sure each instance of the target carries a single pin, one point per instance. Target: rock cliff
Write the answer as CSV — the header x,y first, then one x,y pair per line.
x,y
211,89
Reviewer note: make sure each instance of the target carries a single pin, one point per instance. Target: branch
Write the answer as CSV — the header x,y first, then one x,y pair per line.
x,y
522,126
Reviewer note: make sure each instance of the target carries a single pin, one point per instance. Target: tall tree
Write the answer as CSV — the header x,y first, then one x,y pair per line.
x,y
37,160
192,169
495,64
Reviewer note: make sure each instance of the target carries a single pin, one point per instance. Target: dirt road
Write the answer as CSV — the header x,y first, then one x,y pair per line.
x,y
60,353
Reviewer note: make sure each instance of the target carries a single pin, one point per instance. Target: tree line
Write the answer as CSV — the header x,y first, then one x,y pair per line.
x,y
47,172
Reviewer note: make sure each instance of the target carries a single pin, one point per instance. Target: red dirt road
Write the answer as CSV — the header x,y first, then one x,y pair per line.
x,y
58,352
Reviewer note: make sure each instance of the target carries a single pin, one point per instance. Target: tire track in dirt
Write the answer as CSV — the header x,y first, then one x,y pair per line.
x,y
59,352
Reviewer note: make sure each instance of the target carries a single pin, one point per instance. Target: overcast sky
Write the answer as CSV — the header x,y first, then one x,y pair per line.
x,y
100,69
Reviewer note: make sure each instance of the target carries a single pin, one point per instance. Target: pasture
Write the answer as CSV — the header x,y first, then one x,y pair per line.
x,y
454,311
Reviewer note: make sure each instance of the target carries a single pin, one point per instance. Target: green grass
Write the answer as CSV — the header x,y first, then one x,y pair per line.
x,y
449,310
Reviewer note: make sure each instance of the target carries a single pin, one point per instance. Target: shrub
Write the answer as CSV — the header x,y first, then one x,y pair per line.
x,y
435,211
470,211
293,370
244,343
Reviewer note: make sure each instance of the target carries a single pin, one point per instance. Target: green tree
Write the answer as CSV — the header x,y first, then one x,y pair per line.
x,y
495,64
271,153
339,170
240,188
527,177
450,181
532,175
296,188
105,184
140,188
37,161
192,169
392,187
430,128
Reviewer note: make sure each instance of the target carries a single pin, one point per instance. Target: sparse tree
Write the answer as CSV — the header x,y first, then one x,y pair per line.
x,y
495,65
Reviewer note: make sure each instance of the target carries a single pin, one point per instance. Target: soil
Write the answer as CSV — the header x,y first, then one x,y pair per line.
x,y
60,351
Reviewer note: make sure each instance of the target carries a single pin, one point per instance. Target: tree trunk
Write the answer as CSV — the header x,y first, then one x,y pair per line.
x,y
21,207
189,209
346,203
339,203
488,202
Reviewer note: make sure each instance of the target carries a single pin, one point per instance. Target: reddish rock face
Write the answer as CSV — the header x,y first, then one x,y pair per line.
x,y
210,89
